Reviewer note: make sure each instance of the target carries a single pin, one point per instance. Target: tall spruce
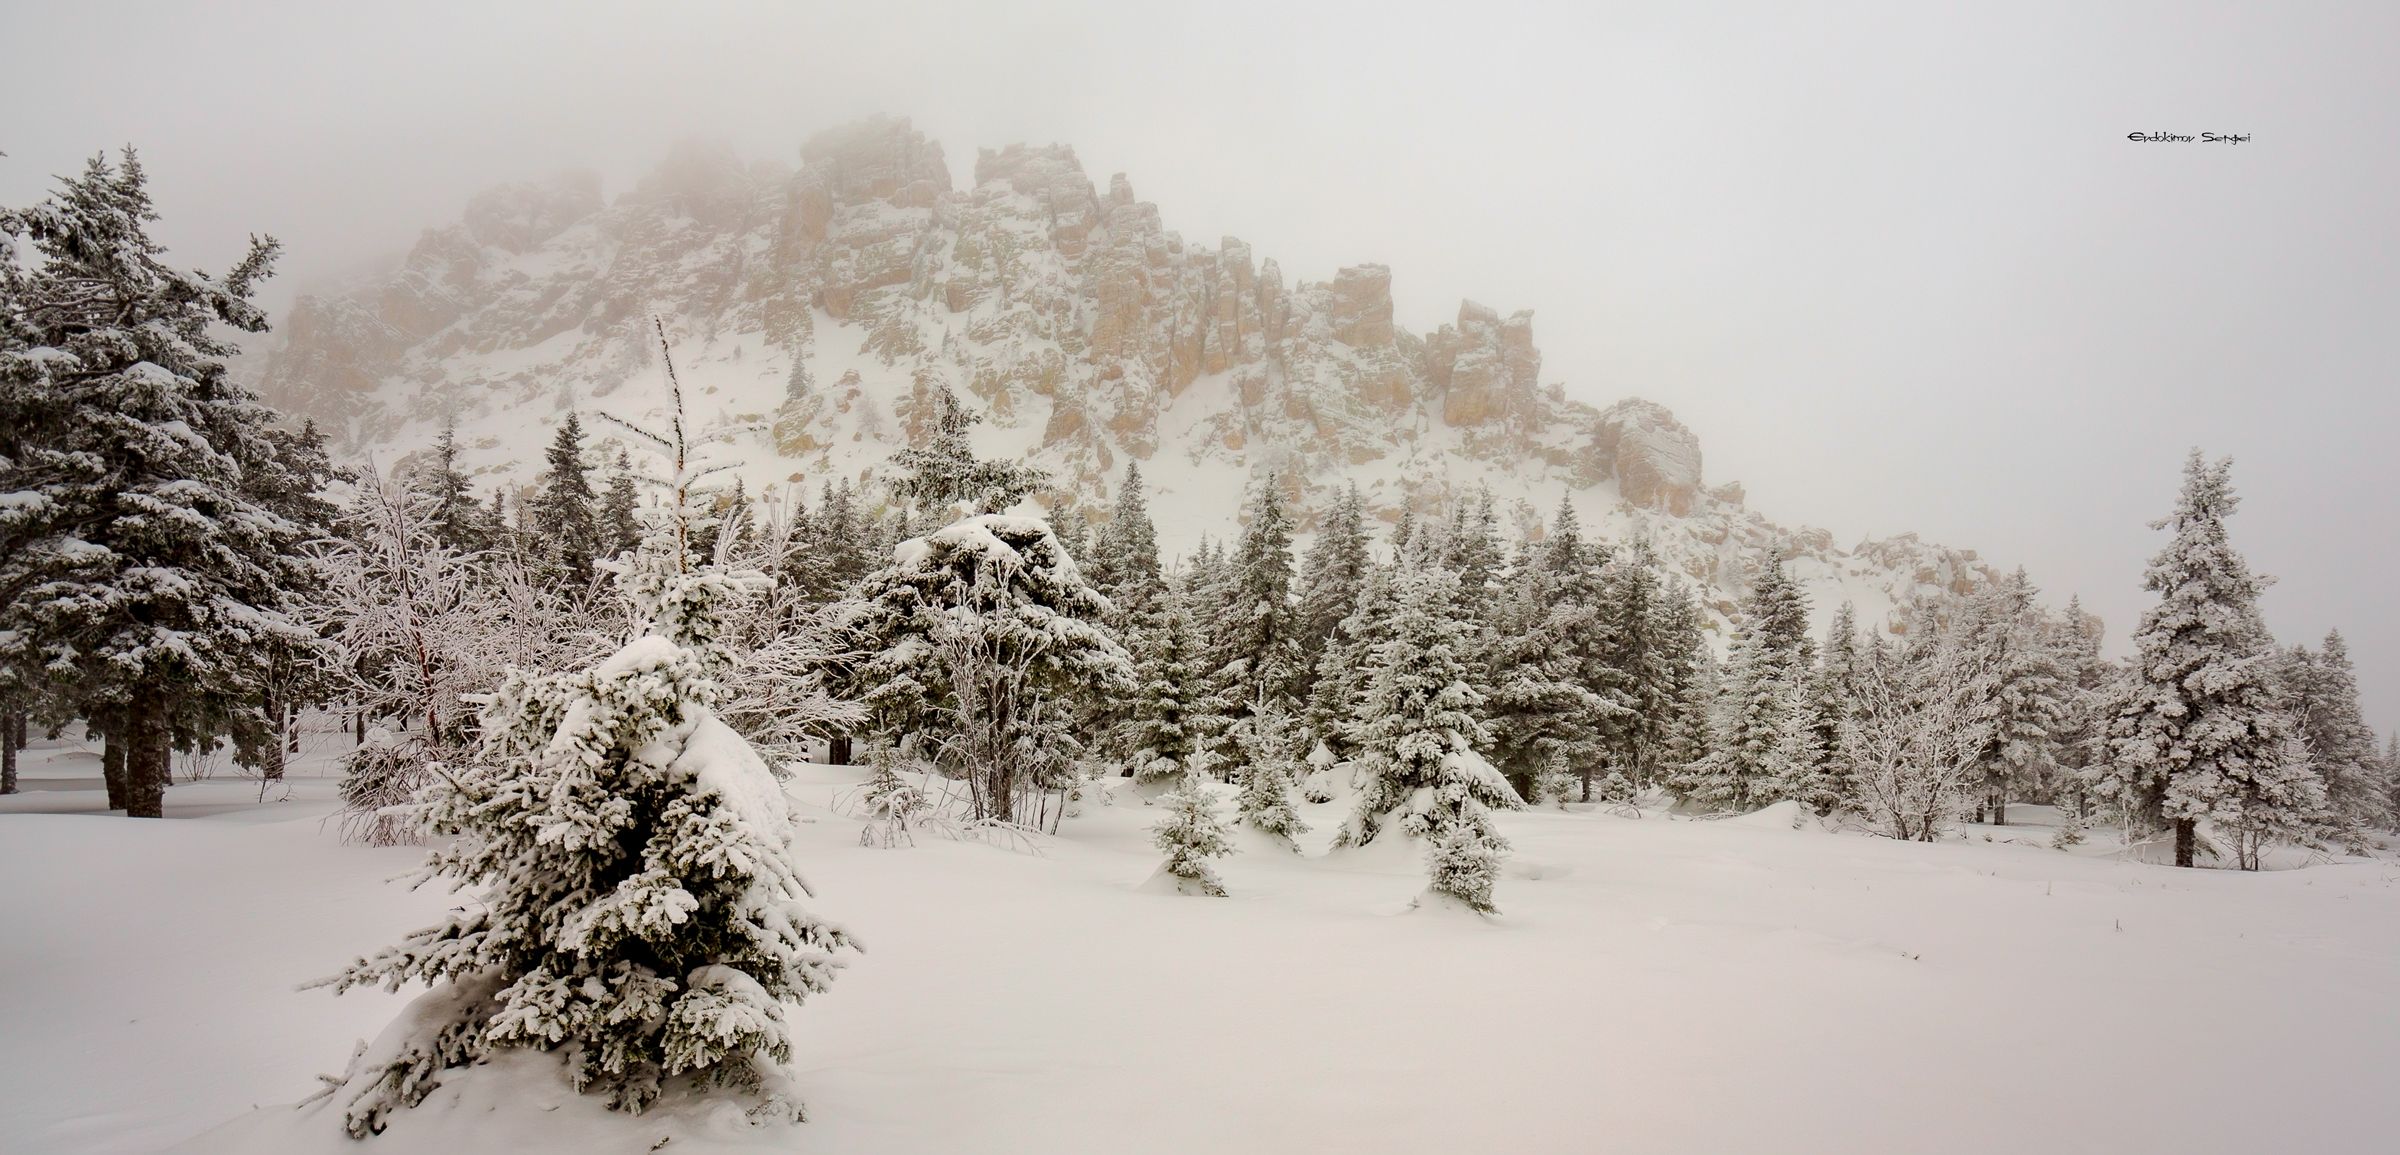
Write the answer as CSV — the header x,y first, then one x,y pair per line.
x,y
143,573
2205,734
1770,654
565,509
1258,650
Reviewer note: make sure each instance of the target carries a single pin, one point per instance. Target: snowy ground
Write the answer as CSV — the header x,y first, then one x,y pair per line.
x,y
1655,984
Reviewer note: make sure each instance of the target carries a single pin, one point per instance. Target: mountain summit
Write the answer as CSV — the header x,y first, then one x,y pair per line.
x,y
826,304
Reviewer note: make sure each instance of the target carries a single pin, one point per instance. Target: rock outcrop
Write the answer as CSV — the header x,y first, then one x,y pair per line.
x,y
826,302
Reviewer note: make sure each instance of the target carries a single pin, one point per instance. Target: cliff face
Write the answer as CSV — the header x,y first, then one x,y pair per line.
x,y
824,303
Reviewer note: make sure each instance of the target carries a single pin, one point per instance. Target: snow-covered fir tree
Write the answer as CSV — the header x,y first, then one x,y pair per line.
x,y
1125,564
1770,654
892,803
566,509
146,576
460,521
617,519
1332,574
1416,730
982,639
1191,834
2323,689
2024,691
1270,769
942,476
1257,638
638,905
2205,734
1545,693
1162,742
2083,733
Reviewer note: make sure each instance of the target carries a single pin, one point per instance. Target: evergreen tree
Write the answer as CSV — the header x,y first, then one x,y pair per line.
x,y
1331,576
459,521
2024,692
1165,745
944,474
2324,692
144,571
2083,737
1271,768
2205,733
1125,563
1191,834
1831,694
1770,654
1342,673
1545,717
640,905
620,530
1258,651
983,638
565,507
1417,732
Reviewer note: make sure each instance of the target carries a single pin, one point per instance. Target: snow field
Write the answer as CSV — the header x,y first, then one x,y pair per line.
x,y
1653,984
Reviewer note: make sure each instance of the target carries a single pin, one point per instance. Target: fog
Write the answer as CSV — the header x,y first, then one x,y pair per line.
x,y
1899,269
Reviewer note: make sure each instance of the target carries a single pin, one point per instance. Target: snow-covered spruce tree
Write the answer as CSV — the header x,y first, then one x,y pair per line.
x,y
1832,692
565,508
1162,744
2323,688
1190,835
2024,692
1542,660
617,523
892,803
1256,650
2083,736
981,639
1417,732
1331,576
1270,767
460,522
944,474
1797,765
639,908
144,567
1125,565
1770,653
1342,671
2206,734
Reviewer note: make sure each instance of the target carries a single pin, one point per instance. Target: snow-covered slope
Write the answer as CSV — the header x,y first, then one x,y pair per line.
x,y
823,303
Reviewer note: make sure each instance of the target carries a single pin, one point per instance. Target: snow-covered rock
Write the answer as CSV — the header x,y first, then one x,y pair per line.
x,y
826,304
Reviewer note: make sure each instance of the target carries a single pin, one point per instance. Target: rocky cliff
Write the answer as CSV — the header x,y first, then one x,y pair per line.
x,y
820,305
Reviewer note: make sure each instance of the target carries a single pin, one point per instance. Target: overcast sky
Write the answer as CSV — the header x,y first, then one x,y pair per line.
x,y
1899,268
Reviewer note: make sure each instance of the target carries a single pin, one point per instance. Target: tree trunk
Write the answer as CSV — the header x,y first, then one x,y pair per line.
x,y
837,750
147,749
291,735
8,753
1586,775
270,759
358,720
112,767
2185,836
1999,809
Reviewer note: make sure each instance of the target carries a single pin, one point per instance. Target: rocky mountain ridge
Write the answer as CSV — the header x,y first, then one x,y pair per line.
x,y
821,306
